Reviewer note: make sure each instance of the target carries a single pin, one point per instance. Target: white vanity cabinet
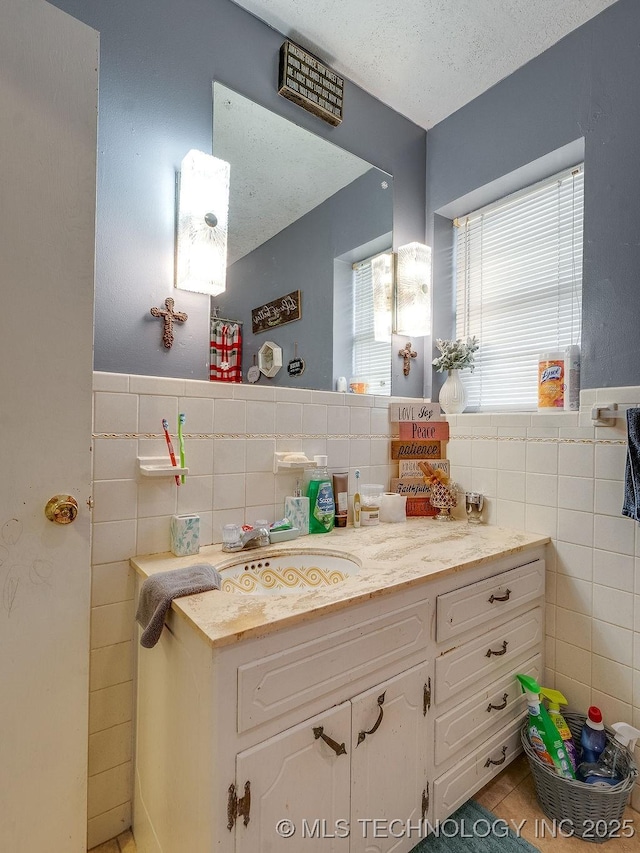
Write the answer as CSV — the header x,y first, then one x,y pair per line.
x,y
486,632
365,758
389,708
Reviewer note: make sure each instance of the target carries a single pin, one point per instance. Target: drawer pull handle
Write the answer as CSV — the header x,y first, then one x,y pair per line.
x,y
338,748
504,597
491,707
426,697
362,735
502,651
502,760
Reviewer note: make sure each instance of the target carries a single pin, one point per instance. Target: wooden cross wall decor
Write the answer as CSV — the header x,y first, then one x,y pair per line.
x,y
407,354
169,315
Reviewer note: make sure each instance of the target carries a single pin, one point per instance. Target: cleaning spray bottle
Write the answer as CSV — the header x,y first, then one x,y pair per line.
x,y
555,700
608,769
543,735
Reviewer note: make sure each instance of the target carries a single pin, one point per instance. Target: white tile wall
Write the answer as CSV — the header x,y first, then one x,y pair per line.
x,y
551,474
232,434
573,491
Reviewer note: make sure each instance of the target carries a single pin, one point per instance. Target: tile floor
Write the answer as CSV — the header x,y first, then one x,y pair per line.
x,y
510,796
124,843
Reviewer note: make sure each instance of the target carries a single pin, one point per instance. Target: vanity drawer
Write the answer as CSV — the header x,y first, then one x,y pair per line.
x,y
487,710
486,657
463,780
470,606
314,667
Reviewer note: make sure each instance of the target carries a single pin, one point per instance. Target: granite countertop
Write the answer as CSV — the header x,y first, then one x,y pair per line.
x,y
391,557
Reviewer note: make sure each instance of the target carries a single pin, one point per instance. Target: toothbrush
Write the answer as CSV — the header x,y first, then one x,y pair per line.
x,y
172,455
356,502
181,419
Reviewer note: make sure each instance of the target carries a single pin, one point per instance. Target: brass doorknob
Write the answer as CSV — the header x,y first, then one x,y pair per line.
x,y
62,509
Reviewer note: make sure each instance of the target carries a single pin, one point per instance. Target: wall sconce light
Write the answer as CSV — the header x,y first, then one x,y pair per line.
x,y
203,209
382,281
413,290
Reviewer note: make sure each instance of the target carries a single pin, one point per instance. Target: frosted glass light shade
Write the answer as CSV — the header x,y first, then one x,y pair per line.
x,y
201,251
413,290
382,280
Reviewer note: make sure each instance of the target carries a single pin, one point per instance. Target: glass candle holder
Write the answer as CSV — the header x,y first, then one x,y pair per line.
x,y
443,498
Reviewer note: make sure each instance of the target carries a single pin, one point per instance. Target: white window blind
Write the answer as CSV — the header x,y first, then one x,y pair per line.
x,y
372,322
519,287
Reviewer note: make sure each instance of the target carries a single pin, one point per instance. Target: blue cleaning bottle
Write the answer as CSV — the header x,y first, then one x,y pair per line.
x,y
593,737
609,769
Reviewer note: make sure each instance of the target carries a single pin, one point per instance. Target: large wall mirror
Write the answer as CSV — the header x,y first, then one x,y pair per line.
x,y
302,212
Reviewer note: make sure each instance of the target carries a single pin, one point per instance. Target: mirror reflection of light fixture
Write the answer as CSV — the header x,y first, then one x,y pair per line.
x,y
382,281
201,240
413,290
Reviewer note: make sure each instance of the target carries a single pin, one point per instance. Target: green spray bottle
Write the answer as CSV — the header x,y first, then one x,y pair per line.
x,y
543,735
555,700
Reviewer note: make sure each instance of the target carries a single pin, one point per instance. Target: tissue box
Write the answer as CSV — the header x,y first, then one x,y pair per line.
x,y
184,531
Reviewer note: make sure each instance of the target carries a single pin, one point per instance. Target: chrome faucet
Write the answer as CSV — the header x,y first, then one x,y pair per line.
x,y
256,538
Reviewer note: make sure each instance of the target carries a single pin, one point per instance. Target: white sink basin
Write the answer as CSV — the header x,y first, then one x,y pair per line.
x,y
289,573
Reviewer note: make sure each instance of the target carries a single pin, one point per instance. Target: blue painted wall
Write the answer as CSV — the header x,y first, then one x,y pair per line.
x,y
158,60
301,257
585,86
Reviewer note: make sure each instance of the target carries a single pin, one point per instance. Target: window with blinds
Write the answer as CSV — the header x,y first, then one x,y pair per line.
x,y
372,289
519,287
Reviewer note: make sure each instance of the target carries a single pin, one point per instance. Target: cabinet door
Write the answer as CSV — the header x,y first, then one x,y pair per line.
x,y
297,776
389,765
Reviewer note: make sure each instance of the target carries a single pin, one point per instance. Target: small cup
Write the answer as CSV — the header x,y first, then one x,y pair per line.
x,y
231,534
474,503
184,533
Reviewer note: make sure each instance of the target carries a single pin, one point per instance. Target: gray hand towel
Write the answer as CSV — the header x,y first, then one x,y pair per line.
x,y
631,503
158,591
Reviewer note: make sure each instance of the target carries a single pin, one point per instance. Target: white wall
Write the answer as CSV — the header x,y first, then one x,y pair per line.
x,y
558,474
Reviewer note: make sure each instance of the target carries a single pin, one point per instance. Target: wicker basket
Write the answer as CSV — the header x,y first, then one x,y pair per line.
x,y
593,814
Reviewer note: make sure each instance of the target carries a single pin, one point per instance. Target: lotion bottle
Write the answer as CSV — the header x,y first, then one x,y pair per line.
x,y
340,495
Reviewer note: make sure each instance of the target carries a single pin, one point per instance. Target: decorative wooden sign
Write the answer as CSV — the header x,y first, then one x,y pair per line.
x,y
420,507
296,367
310,83
415,449
286,309
399,412
409,468
436,431
414,486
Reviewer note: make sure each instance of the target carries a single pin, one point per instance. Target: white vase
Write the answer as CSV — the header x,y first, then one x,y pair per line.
x,y
453,397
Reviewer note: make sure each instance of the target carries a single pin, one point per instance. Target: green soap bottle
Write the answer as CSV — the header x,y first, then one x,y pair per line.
x,y
322,509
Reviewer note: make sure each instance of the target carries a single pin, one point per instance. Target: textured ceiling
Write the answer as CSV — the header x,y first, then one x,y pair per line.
x,y
425,58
